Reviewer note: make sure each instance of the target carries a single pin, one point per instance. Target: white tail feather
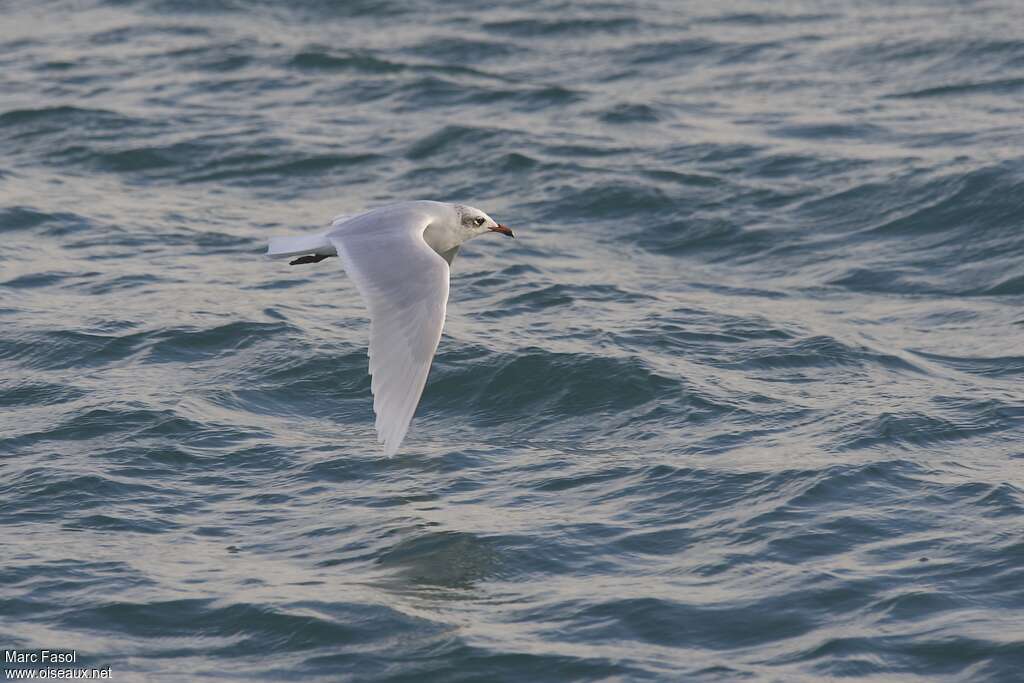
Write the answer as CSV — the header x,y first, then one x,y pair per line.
x,y
283,247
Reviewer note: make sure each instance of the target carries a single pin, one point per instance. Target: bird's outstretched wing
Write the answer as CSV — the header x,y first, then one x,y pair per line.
x,y
405,286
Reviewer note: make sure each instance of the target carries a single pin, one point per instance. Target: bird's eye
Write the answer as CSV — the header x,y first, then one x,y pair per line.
x,y
479,221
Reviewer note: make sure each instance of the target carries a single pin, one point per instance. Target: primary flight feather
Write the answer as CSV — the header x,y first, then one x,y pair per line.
x,y
398,256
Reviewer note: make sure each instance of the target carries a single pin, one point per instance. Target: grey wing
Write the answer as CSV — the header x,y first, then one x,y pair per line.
x,y
404,284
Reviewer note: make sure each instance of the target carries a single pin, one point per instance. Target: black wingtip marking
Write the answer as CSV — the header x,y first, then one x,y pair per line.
x,y
311,258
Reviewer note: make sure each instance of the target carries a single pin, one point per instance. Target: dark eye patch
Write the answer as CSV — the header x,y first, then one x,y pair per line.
x,y
479,221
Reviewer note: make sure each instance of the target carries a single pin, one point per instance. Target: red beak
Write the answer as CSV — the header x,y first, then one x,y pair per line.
x,y
503,229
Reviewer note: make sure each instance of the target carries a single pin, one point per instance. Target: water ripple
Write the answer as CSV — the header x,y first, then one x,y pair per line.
x,y
741,401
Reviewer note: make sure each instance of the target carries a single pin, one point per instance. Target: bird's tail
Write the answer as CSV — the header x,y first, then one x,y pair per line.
x,y
297,245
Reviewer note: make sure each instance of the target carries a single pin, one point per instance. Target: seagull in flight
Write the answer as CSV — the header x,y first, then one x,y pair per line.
x,y
398,256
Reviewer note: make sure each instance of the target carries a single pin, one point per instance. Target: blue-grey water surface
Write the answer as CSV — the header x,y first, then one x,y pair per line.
x,y
743,402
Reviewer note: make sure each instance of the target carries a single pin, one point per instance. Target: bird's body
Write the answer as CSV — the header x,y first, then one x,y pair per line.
x,y
398,256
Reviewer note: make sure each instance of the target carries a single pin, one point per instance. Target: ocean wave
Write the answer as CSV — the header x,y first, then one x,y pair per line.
x,y
740,401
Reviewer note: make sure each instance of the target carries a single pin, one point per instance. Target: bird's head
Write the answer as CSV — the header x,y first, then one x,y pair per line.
x,y
475,222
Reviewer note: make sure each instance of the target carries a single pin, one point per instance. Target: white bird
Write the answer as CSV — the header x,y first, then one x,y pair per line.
x,y
399,258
